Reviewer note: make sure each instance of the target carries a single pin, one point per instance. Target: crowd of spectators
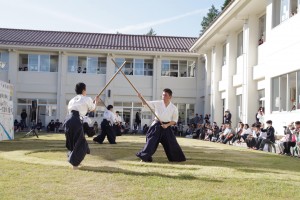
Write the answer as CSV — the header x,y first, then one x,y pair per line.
x,y
258,136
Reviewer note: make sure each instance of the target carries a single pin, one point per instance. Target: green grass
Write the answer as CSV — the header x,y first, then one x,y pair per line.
x,y
36,168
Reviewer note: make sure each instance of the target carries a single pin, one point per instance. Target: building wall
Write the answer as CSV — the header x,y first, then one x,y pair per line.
x,y
241,80
59,86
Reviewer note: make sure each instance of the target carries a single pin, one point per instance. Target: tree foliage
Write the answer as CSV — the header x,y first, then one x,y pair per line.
x,y
151,32
226,3
209,18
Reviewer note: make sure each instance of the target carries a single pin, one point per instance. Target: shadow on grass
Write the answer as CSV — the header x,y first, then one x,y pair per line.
x,y
148,174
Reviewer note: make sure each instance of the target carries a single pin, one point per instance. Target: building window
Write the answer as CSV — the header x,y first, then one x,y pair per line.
x,y
284,10
191,68
137,67
165,68
175,68
261,98
4,58
292,89
262,30
101,66
38,62
148,67
285,92
239,108
240,44
72,63
89,64
294,7
185,112
224,55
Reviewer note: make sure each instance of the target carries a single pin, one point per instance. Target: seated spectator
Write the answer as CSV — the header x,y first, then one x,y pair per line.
x,y
39,125
246,131
239,130
135,128
126,128
270,135
145,128
290,139
51,126
251,138
57,125
297,133
227,135
17,125
96,127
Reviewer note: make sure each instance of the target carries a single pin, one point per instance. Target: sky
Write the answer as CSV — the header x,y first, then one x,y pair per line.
x,y
166,17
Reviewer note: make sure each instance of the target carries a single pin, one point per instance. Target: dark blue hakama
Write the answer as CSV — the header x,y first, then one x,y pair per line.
x,y
75,140
155,135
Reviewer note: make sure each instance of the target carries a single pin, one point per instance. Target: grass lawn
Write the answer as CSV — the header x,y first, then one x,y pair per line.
x,y
36,168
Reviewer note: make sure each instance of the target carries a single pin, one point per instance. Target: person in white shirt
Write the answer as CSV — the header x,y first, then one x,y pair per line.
x,y
161,131
109,119
118,124
75,140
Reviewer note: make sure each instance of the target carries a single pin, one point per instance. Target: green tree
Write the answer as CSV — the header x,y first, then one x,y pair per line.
x,y
226,3
209,18
151,32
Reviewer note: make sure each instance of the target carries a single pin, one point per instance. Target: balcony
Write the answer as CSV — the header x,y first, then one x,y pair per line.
x,y
261,53
258,72
237,80
222,85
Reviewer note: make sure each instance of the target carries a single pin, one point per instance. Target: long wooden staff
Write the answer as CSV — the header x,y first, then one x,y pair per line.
x,y
142,98
112,78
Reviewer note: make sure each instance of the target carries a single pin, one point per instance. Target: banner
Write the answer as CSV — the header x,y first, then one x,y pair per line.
x,y
6,111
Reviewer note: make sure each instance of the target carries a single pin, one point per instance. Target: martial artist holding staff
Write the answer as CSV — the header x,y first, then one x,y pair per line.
x,y
75,140
161,131
107,127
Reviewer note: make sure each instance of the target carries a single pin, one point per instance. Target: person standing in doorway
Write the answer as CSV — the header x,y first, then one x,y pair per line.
x,y
138,120
161,131
23,119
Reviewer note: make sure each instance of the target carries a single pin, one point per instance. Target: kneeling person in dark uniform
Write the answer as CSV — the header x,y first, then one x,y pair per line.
x,y
161,132
75,140
107,127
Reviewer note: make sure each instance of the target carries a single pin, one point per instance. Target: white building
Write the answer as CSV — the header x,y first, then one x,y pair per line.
x,y
251,60
44,67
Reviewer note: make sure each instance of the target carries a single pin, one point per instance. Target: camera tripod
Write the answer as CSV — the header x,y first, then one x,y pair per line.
x,y
32,131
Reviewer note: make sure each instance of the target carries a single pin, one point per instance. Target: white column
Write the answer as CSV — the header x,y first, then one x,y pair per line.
x,y
217,112
61,84
110,71
200,88
158,88
250,94
208,97
230,100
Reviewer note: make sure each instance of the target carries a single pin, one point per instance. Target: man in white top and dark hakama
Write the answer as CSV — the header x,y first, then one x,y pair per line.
x,y
161,132
75,140
107,127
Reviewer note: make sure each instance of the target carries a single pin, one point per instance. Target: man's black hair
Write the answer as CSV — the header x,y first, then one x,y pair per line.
x,y
109,107
269,122
79,88
169,91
